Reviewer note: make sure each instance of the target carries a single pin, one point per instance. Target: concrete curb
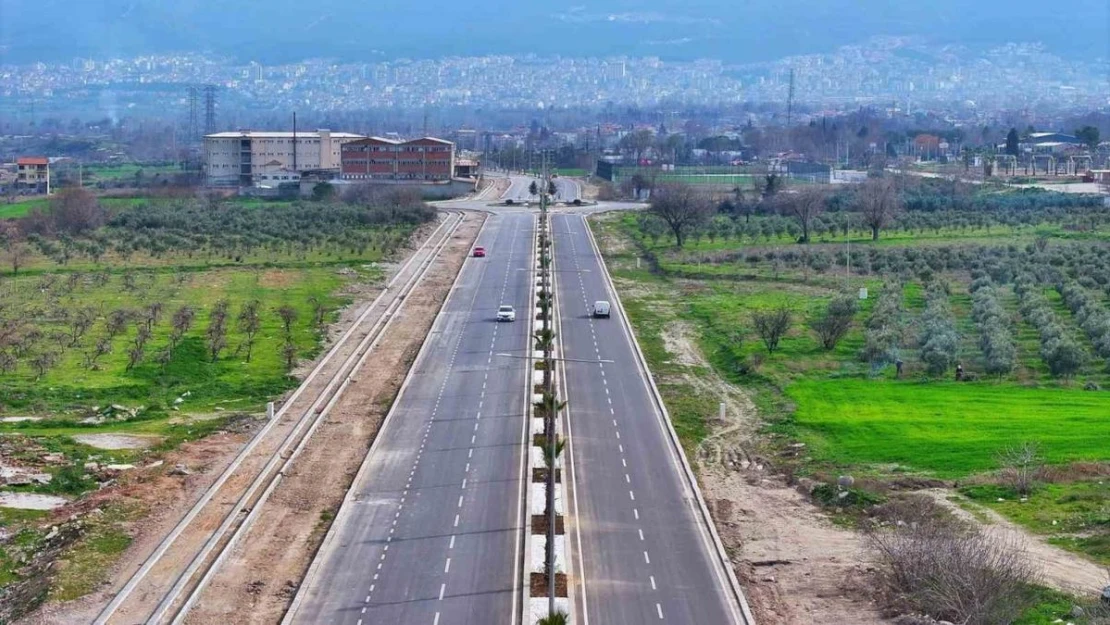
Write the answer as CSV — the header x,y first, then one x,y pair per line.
x,y
641,362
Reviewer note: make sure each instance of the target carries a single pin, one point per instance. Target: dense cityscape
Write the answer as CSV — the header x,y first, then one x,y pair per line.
x,y
889,71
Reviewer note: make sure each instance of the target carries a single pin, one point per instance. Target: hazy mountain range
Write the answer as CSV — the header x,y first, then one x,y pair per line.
x,y
278,31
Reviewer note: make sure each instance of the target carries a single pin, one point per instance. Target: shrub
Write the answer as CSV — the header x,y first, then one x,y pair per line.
x,y
771,325
959,576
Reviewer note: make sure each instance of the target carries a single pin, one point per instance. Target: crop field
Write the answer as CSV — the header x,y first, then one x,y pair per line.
x,y
155,321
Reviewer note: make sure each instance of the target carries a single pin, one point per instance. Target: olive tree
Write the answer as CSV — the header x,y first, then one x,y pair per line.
x,y
835,322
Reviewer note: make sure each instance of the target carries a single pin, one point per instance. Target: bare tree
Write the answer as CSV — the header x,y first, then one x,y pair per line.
x,y
772,324
682,207
804,205
1022,466
216,333
289,353
142,334
153,313
16,254
76,210
249,324
7,362
79,324
182,321
878,201
92,357
288,315
116,322
319,312
43,362
135,356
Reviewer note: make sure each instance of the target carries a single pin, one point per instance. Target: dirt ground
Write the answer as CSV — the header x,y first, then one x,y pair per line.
x,y
168,497
168,493
257,582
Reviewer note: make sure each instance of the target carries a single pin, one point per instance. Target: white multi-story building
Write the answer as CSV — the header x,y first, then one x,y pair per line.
x,y
253,158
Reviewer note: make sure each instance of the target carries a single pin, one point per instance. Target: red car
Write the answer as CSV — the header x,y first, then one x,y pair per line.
x,y
479,251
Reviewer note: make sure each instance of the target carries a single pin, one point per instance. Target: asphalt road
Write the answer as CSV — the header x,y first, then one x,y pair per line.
x,y
566,190
641,551
434,531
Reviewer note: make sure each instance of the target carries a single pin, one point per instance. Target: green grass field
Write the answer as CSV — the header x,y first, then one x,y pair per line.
x,y
944,428
23,206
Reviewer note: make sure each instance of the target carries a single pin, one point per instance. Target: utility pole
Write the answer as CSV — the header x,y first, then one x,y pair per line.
x,y
790,100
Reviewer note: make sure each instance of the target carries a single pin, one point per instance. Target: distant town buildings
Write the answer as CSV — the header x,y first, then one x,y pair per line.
x,y
33,173
899,74
253,158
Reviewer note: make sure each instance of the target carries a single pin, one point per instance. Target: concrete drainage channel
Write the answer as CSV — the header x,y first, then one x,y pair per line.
x,y
545,456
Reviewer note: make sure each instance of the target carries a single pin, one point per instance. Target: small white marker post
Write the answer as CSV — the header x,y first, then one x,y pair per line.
x,y
722,415
269,410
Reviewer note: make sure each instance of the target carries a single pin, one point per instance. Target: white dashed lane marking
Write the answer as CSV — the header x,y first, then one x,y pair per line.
x,y
609,398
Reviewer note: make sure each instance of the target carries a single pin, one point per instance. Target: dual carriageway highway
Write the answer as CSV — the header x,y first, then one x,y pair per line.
x,y
434,526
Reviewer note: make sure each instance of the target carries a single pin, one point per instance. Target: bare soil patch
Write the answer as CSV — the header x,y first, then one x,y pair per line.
x,y
31,501
679,342
167,497
272,278
117,441
260,578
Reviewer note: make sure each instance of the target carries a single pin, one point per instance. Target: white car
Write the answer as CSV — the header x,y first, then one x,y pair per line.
x,y
506,313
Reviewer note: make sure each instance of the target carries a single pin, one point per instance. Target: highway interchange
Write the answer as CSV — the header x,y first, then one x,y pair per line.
x,y
433,527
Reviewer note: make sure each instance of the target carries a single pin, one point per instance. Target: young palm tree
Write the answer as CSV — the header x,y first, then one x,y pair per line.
x,y
557,617
548,459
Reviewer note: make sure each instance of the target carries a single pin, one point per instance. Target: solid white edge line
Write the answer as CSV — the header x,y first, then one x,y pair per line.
x,y
345,506
730,582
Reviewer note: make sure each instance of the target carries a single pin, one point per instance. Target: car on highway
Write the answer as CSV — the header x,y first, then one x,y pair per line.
x,y
479,251
506,313
600,308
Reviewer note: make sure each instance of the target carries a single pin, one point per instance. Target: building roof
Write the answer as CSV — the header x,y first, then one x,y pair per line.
x,y
32,160
400,142
266,134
